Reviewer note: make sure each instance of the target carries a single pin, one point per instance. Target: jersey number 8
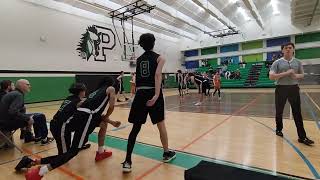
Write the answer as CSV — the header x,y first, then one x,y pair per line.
x,y
144,68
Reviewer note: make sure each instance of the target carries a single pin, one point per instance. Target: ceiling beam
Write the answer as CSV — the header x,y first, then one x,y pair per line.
x,y
141,19
213,11
164,8
254,12
313,12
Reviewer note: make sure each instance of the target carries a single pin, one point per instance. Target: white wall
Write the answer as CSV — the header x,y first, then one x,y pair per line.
x,y
275,26
23,24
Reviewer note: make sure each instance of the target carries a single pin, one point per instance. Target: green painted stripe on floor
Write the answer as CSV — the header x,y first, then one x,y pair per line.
x,y
184,160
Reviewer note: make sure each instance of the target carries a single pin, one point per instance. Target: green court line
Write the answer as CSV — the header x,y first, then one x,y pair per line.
x,y
183,159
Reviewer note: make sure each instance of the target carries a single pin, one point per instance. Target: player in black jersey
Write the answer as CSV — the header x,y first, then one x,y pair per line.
x,y
148,100
85,119
202,85
64,115
180,79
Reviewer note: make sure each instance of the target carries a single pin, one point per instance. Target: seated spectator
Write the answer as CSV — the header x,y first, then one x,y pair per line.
x,y
14,115
6,86
227,74
12,110
231,75
237,74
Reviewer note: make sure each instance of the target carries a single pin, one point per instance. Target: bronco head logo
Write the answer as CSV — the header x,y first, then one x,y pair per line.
x,y
89,43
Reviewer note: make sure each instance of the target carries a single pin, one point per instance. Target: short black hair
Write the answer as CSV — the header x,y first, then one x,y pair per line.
x,y
109,81
287,44
179,71
5,84
146,41
76,88
190,74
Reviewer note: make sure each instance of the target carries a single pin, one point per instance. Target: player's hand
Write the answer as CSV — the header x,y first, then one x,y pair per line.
x,y
103,124
115,123
152,101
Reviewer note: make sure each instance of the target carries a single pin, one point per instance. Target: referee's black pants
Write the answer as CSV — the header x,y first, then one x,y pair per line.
x,y
292,93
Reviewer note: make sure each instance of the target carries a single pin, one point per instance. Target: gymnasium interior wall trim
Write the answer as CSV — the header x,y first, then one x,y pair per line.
x,y
54,85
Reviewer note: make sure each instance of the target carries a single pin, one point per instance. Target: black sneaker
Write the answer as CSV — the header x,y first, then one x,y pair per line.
x,y
28,137
126,99
306,141
169,156
118,100
25,162
279,133
86,146
46,141
37,140
126,167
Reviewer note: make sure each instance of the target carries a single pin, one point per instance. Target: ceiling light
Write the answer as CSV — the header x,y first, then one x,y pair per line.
x,y
233,1
274,4
244,13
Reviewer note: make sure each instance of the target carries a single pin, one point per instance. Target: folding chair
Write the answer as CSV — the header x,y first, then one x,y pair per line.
x,y
7,136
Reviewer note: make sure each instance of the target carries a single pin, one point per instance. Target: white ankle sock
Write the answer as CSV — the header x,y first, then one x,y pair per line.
x,y
100,149
43,170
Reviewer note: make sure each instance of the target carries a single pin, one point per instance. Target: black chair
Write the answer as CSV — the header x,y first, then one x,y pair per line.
x,y
6,137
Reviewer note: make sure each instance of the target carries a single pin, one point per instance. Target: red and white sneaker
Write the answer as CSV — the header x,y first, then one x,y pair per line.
x,y
33,174
104,155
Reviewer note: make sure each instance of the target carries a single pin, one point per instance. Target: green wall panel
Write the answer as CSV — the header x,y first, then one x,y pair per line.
x,y
309,53
213,61
310,37
210,50
126,83
252,45
253,57
170,82
46,88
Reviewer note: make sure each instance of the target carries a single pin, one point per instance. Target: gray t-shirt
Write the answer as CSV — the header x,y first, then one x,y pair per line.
x,y
281,65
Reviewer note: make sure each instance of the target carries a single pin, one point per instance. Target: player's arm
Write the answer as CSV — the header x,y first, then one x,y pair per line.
x,y
110,91
158,76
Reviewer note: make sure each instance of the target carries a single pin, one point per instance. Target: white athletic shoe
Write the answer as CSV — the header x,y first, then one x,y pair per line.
x,y
219,98
198,104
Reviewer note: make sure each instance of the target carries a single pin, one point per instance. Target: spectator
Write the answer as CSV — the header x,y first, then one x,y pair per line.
x,y
6,86
14,115
237,74
12,110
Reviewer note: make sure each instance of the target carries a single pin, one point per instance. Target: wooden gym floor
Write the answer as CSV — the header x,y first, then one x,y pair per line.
x,y
237,131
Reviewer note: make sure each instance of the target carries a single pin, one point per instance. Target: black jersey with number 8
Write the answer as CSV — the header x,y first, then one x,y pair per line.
x,y
146,69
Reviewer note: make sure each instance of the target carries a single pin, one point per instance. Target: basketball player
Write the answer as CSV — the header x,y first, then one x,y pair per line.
x,y
180,82
148,99
85,120
202,85
217,84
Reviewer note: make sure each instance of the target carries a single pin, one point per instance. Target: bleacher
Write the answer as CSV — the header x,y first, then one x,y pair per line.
x,y
263,80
